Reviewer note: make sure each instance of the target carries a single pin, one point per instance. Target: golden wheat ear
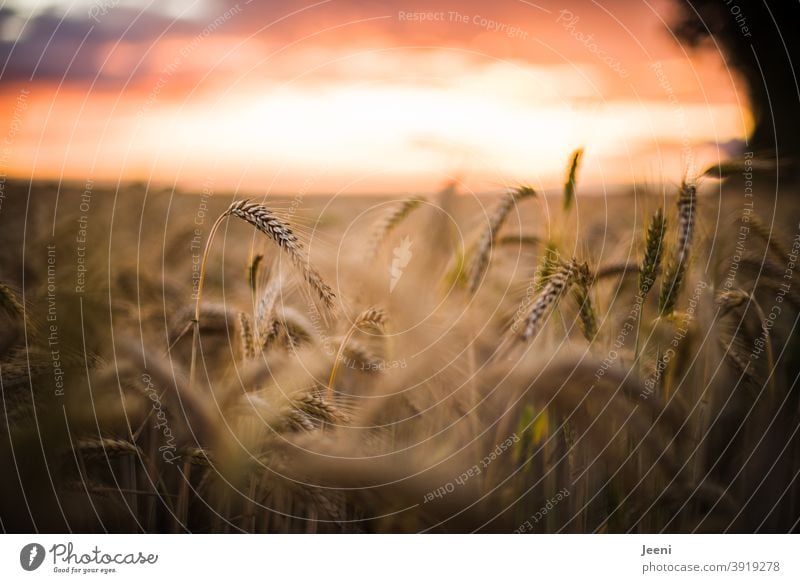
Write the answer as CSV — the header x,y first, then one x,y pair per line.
x,y
557,285
581,292
280,233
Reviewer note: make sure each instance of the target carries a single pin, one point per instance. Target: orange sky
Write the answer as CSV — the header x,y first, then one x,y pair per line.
x,y
351,96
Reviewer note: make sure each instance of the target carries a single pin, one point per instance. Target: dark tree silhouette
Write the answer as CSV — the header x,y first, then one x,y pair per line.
x,y
761,40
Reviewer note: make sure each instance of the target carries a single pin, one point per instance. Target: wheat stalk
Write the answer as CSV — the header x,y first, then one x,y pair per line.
x,y
519,240
556,286
676,268
480,261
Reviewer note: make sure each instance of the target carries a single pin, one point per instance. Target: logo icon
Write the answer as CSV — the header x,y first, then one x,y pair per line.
x,y
31,556
402,257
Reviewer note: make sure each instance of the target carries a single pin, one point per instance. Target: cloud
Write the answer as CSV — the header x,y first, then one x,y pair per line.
x,y
70,40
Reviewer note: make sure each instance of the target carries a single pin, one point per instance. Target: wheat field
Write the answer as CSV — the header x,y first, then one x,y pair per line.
x,y
523,361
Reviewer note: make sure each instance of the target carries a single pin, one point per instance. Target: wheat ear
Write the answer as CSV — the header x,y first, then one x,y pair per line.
x,y
391,220
557,285
572,176
586,313
252,274
676,267
282,235
653,252
9,301
480,261
246,336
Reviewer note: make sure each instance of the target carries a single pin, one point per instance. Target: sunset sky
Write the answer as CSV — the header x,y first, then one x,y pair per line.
x,y
360,97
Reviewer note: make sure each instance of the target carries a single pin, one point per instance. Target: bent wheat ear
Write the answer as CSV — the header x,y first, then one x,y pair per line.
x,y
480,262
556,286
653,252
391,220
676,267
282,234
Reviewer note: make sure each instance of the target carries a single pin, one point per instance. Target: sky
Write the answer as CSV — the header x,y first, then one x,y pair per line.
x,y
349,96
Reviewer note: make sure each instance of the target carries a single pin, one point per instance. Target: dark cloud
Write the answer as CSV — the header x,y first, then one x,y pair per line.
x,y
53,47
